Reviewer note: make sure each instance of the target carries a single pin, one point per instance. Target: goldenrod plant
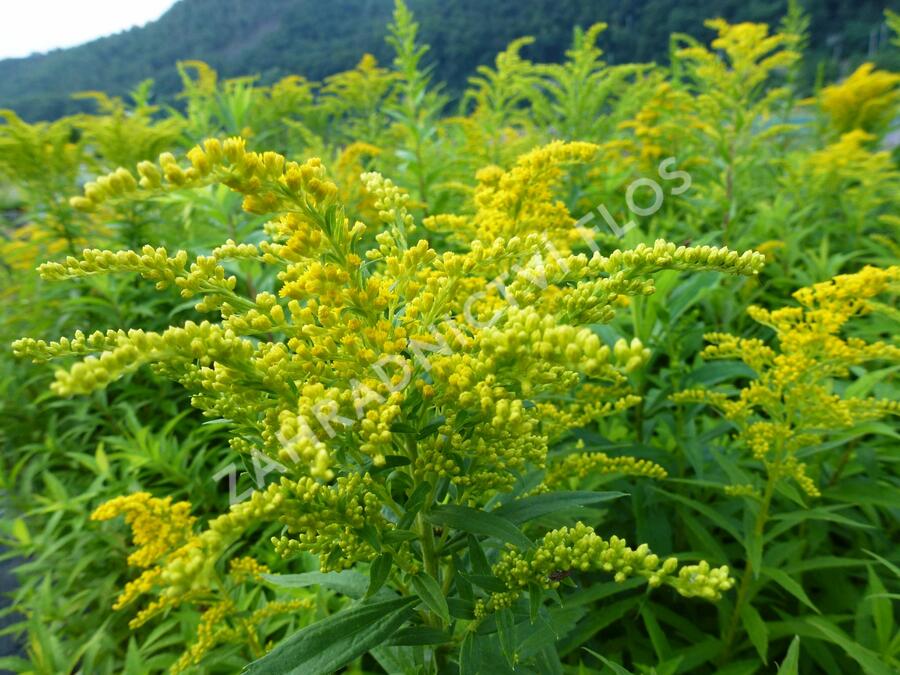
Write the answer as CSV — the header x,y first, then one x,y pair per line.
x,y
390,387
798,416
737,106
369,375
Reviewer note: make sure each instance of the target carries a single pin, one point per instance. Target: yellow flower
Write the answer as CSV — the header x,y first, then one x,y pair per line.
x,y
866,100
157,525
791,403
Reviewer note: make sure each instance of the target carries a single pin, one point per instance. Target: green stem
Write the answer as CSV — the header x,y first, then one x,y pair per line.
x,y
426,534
744,590
842,464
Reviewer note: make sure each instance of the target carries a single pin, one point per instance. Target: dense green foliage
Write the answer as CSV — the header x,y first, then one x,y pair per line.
x,y
321,38
642,303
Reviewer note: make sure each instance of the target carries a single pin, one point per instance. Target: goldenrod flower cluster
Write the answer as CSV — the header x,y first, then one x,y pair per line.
x,y
580,549
665,126
179,568
157,525
743,56
330,521
224,623
457,366
867,100
792,403
583,464
180,563
351,335
520,201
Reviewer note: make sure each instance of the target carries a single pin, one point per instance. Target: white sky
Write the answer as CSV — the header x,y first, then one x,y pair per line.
x,y
28,26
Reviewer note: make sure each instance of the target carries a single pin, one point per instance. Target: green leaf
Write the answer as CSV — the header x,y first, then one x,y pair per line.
x,y
863,385
397,536
420,635
477,557
547,662
413,505
331,643
754,548
379,572
480,522
133,662
370,535
535,599
402,428
782,579
467,658
431,427
869,661
887,563
486,581
428,589
463,586
506,631
395,659
20,532
461,609
615,667
392,462
756,630
822,513
55,487
535,506
657,635
882,611
791,663
715,516
532,638
14,664
822,563
348,582
102,460
594,622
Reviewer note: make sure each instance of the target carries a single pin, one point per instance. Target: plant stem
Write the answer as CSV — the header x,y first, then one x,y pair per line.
x,y
842,464
744,589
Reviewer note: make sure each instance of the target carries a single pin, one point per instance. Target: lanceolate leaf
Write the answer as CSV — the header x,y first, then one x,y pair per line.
x,y
892,567
870,662
331,643
506,629
479,522
467,659
756,630
535,597
788,584
612,665
430,592
348,582
882,611
420,635
379,572
535,506
791,663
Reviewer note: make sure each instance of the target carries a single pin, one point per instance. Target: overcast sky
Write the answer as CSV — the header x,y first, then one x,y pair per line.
x,y
30,26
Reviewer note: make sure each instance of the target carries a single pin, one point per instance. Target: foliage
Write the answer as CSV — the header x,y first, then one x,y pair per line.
x,y
411,377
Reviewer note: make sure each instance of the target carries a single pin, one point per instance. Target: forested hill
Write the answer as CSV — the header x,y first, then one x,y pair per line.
x,y
316,38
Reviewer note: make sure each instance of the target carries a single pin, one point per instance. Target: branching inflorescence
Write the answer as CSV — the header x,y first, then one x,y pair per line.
x,y
377,368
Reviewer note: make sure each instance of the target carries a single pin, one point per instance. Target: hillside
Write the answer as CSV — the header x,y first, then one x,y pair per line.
x,y
316,39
